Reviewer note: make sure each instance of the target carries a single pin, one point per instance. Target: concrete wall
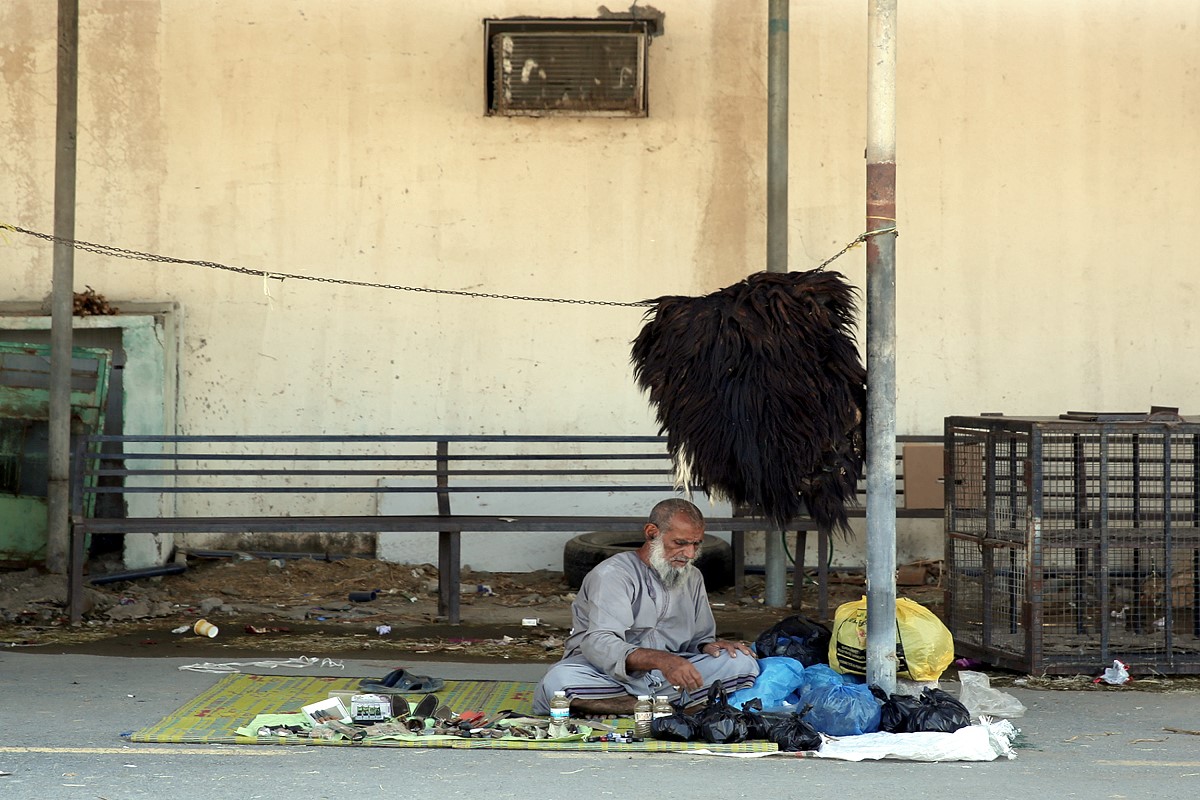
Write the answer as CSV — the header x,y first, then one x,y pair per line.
x,y
1048,165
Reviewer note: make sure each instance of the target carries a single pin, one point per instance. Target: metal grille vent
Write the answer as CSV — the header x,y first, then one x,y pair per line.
x,y
569,73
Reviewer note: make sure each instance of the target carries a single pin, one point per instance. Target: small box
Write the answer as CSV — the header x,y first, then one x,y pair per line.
x,y
349,696
331,708
370,708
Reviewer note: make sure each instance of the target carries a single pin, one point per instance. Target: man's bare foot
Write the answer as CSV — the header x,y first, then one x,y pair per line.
x,y
618,706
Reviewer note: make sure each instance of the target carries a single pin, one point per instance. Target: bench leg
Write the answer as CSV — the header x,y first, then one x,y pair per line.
x,y
449,577
738,543
823,574
798,571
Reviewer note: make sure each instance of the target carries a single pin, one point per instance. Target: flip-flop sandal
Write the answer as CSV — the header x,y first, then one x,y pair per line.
x,y
401,681
426,708
400,706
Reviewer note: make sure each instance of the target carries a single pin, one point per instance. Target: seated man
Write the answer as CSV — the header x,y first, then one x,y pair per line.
x,y
642,625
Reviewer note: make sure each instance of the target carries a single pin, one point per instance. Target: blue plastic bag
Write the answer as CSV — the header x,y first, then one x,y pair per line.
x,y
778,678
843,710
818,676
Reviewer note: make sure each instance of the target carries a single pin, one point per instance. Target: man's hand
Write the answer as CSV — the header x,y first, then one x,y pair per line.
x,y
722,646
682,673
678,671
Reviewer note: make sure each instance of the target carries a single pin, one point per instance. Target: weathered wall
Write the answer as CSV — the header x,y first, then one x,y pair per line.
x,y
1048,165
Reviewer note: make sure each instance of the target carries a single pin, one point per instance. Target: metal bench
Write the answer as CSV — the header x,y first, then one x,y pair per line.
x,y
233,484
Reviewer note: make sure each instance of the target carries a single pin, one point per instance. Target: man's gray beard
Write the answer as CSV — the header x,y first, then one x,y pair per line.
x,y
671,576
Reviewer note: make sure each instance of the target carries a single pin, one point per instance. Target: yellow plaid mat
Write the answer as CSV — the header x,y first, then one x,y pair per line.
x,y
235,700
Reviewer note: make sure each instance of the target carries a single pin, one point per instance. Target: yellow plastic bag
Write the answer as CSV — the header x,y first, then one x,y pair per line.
x,y
924,646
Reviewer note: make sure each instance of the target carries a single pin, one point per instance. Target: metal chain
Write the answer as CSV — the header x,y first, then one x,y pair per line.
x,y
862,237
119,252
136,255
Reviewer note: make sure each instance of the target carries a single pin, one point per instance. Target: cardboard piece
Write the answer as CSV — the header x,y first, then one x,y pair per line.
x,y
919,573
911,575
923,476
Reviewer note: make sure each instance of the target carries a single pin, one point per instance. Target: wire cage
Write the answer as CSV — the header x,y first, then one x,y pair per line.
x,y
1074,541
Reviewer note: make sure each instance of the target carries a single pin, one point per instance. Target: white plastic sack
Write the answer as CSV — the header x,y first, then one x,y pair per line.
x,y
1117,674
985,741
914,688
981,699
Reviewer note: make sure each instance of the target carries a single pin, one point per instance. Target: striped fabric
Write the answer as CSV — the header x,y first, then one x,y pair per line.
x,y
235,700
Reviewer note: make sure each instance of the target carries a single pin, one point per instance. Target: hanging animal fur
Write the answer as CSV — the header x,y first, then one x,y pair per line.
x,y
761,392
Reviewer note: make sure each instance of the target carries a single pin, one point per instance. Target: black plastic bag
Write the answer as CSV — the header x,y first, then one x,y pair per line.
x,y
719,722
792,734
757,725
795,637
938,711
677,727
895,710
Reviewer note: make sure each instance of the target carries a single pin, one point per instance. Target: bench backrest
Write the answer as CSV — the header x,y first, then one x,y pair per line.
x,y
298,475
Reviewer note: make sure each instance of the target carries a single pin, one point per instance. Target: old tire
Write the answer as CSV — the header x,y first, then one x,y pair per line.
x,y
588,549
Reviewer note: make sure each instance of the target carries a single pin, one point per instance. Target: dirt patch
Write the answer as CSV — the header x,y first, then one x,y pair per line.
x,y
268,608
303,606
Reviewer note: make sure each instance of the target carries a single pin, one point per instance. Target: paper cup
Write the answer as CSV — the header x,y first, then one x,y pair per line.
x,y
205,628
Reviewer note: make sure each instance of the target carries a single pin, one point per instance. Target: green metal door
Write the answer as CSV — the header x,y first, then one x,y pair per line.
x,y
24,435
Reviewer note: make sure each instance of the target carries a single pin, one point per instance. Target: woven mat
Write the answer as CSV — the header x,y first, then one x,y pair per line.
x,y
235,700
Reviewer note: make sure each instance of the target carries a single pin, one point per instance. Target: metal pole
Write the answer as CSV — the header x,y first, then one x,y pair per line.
x,y
881,345
62,291
777,137
775,594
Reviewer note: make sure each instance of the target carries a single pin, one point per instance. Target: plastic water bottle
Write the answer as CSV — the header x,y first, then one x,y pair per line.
x,y
662,707
560,713
643,712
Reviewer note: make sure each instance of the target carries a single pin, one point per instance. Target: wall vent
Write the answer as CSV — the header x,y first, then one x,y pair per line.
x,y
567,68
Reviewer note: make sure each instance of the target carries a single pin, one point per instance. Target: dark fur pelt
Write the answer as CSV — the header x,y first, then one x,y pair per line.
x,y
761,392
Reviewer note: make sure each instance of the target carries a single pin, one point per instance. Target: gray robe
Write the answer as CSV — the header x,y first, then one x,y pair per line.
x,y
623,605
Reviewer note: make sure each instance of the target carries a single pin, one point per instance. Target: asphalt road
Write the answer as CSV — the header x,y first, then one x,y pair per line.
x,y
63,716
